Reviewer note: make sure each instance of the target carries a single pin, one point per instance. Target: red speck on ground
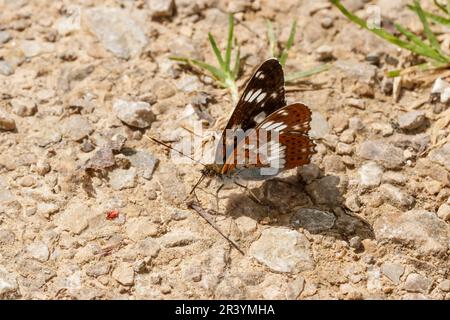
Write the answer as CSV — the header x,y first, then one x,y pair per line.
x,y
112,214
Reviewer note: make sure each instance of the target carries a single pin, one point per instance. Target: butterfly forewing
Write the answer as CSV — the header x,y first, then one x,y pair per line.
x,y
263,95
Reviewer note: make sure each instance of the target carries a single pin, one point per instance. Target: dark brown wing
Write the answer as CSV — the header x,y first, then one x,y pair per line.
x,y
293,146
263,95
292,124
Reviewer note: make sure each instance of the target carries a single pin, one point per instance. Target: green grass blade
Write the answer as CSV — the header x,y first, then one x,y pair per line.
x,y
440,6
216,50
394,73
426,27
237,63
291,77
229,42
411,36
289,43
433,17
420,67
427,52
271,37
218,74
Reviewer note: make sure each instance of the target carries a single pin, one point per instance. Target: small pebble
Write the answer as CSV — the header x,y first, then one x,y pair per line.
x,y
355,242
373,58
411,120
326,22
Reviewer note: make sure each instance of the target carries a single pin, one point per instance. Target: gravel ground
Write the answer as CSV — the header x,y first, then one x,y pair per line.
x,y
90,209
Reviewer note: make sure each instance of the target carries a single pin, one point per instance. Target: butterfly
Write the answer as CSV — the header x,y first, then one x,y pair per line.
x,y
262,112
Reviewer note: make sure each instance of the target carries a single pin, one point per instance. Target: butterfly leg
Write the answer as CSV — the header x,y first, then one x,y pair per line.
x,y
252,195
217,195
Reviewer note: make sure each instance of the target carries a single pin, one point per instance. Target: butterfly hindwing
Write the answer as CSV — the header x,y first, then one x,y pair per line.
x,y
292,123
292,148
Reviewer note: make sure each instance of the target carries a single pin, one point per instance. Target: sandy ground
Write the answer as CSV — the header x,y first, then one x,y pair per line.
x,y
82,82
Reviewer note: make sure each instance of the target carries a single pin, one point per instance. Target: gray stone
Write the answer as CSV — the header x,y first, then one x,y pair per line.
x,y
117,31
38,251
98,269
325,190
344,149
393,271
7,237
333,163
33,48
394,177
355,242
418,228
295,288
360,71
445,285
418,142
319,126
356,103
444,212
47,208
5,36
148,247
355,124
396,196
144,162
308,172
189,83
411,120
428,169
23,107
348,136
6,121
385,129
441,155
178,239
313,220
8,283
141,228
324,53
136,114
70,22
77,127
74,218
120,179
124,274
417,283
389,156
246,225
370,175
283,250
161,8
373,278
6,68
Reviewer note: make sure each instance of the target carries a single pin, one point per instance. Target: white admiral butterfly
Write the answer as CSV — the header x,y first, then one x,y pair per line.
x,y
262,112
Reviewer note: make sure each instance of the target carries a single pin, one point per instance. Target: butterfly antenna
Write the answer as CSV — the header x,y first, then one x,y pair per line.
x,y
172,148
198,182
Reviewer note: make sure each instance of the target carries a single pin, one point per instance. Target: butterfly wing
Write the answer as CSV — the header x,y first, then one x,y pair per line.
x,y
288,144
292,123
263,95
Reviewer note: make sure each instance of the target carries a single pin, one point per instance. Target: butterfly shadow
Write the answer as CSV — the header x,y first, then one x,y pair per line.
x,y
289,202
